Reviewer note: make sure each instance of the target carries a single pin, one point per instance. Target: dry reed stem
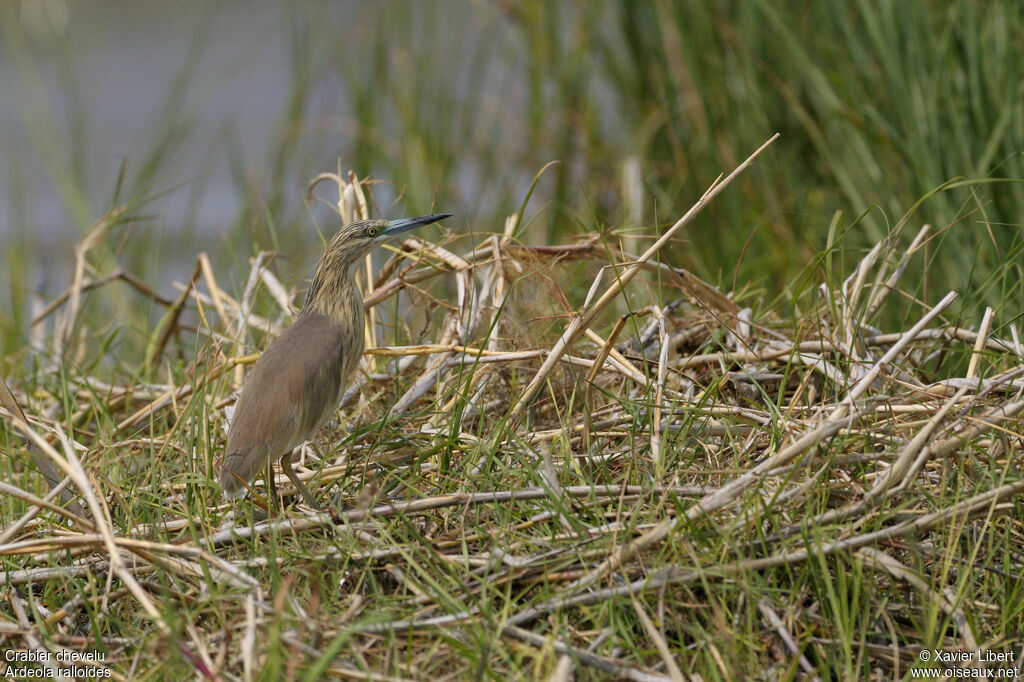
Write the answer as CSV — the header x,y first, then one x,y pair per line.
x,y
979,344
92,237
882,292
118,274
659,395
765,607
675,674
326,519
878,559
612,667
170,325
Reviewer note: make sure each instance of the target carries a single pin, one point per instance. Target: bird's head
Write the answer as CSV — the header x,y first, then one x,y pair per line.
x,y
347,247
355,240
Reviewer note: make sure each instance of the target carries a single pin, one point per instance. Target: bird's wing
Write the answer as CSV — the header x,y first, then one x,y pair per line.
x,y
294,387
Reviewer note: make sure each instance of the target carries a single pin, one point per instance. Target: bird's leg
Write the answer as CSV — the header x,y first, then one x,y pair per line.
x,y
286,464
271,479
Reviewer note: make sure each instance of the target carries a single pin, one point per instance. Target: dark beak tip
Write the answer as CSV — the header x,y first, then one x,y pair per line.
x,y
433,218
405,224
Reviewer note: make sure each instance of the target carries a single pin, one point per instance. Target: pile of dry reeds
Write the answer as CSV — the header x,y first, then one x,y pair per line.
x,y
637,456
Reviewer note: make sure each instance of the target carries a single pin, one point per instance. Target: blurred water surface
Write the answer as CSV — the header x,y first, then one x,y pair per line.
x,y
214,113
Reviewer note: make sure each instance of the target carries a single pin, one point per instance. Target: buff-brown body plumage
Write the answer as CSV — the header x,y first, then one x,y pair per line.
x,y
299,380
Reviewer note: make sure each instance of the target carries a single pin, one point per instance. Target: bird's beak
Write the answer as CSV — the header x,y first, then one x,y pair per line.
x,y
396,227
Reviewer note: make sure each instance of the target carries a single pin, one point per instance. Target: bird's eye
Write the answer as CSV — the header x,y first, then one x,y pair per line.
x,y
371,232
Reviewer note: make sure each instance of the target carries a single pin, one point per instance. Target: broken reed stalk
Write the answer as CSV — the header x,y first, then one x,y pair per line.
x,y
170,322
92,237
587,318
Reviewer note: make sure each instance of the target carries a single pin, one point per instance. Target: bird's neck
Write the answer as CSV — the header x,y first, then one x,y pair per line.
x,y
334,293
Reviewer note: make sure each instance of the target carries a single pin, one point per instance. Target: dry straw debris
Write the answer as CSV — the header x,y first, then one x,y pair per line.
x,y
571,472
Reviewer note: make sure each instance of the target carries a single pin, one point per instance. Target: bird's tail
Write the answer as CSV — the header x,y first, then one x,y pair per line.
x,y
232,480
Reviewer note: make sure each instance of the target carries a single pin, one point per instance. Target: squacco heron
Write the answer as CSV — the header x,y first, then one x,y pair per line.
x,y
298,381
